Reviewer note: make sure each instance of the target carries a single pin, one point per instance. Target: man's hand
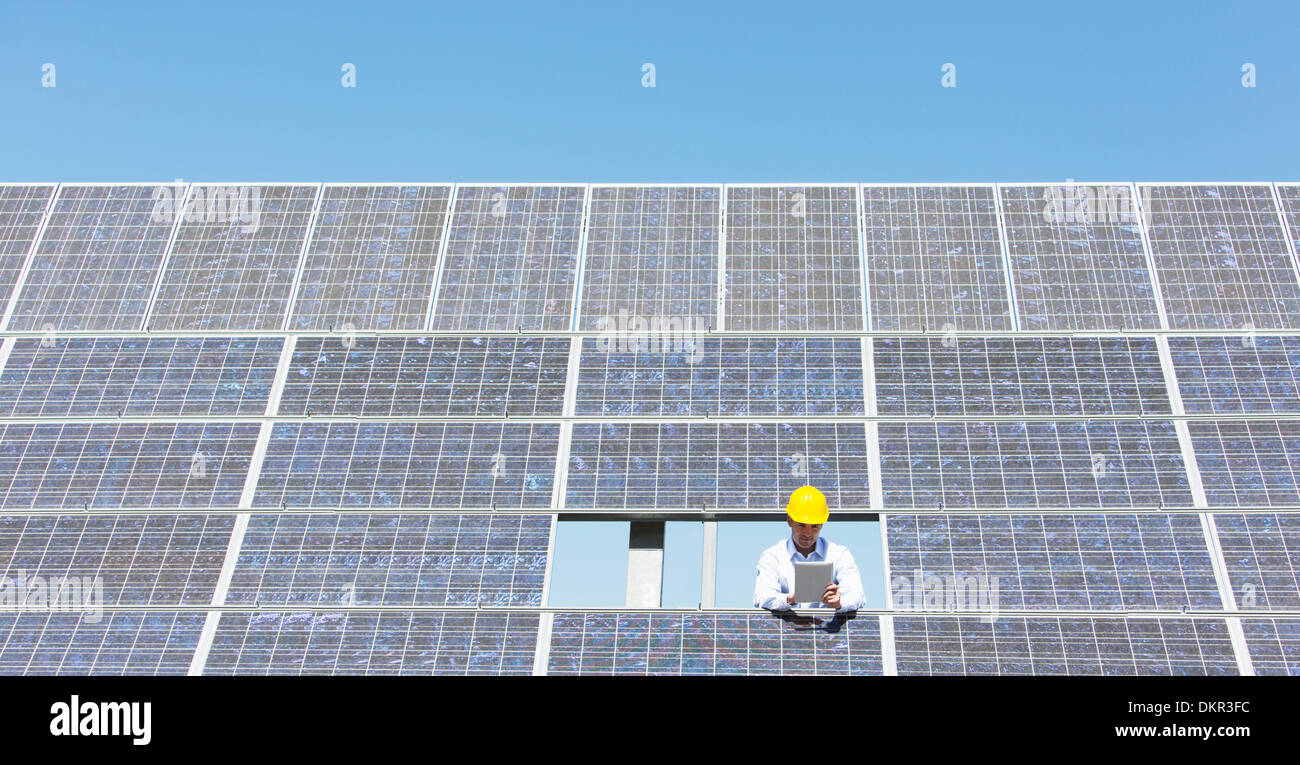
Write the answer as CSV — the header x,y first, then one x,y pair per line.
x,y
832,596
789,599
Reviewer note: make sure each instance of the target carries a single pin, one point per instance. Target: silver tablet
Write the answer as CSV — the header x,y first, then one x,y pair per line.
x,y
810,580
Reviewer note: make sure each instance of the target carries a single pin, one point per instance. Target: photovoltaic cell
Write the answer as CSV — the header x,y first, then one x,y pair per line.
x,y
652,251
721,377
1274,645
1095,463
1062,646
1221,257
147,559
233,262
21,211
372,258
392,560
1289,193
97,261
1248,463
352,643
512,259
438,376
1233,375
408,465
117,643
712,644
934,259
1262,551
137,376
1019,376
110,465
1054,562
1077,259
678,466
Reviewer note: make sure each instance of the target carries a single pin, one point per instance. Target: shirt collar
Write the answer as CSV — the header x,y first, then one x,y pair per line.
x,y
818,553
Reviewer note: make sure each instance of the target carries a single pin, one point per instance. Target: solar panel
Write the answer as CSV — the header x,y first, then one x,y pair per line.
x,y
352,643
1077,259
722,377
678,466
793,260
1289,194
118,643
21,211
147,559
934,259
1094,562
1097,463
652,251
439,376
711,644
408,465
512,259
1062,646
1247,463
233,263
110,465
95,265
1274,645
392,560
1261,551
1221,257
1237,374
923,376
372,258
137,376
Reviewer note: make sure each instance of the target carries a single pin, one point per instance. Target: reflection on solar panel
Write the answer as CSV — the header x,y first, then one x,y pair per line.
x,y
1289,194
711,644
470,643
119,643
792,259
512,259
934,258
1237,374
233,262
441,376
1261,551
1221,257
1062,646
85,376
392,560
372,258
1021,375
21,210
138,559
1249,463
1084,562
678,466
96,263
408,465
1274,645
652,251
1097,463
727,376
1077,258
109,465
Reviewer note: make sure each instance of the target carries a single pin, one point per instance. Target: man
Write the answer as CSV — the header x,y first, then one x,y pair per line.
x,y
805,515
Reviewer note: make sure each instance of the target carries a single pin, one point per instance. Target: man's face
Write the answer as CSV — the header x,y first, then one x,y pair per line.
x,y
805,534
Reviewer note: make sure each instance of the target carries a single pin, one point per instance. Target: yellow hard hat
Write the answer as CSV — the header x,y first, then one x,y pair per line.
x,y
807,505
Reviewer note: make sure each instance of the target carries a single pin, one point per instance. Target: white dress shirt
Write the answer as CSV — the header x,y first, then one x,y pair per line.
x,y
776,574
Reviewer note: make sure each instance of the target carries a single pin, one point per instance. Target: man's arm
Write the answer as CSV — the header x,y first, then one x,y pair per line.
x,y
852,594
767,588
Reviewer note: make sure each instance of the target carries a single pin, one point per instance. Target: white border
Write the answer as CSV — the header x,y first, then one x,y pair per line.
x,y
166,258
296,284
575,315
442,258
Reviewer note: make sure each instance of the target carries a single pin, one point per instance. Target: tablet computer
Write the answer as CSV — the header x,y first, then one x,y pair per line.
x,y
810,580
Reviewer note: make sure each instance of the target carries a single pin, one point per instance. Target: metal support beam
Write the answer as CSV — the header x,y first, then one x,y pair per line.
x,y
645,564
709,565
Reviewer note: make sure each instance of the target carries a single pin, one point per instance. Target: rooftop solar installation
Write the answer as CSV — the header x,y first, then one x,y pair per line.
x,y
1262,553
137,376
934,259
1236,375
1289,195
116,643
1076,464
233,263
652,251
512,259
1077,259
1274,645
1221,257
427,376
358,643
372,258
1062,646
384,465
1097,562
332,559
21,210
96,262
692,465
793,261
721,377
1058,376
1248,463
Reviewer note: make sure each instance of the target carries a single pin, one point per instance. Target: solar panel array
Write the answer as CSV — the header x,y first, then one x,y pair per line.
x,y
367,405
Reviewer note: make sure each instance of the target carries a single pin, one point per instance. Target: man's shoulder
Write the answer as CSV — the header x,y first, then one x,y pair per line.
x,y
777,551
835,552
